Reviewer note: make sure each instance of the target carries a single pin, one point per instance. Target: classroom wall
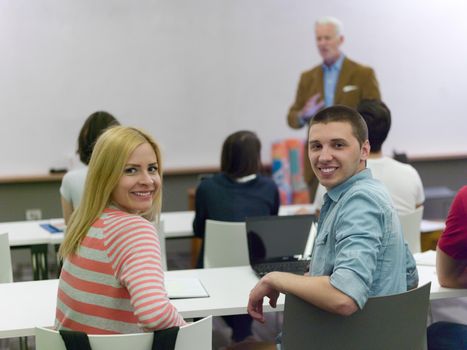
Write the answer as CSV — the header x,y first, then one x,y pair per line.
x,y
192,72
15,198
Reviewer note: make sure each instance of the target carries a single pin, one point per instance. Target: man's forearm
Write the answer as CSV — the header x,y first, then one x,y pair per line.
x,y
451,273
316,290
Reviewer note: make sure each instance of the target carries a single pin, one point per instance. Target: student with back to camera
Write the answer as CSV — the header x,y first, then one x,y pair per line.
x,y
72,186
237,192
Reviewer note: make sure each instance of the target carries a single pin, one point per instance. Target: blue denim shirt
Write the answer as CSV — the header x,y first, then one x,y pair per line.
x,y
330,79
359,243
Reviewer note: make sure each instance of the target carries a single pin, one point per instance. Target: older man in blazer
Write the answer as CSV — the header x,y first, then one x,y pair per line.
x,y
338,80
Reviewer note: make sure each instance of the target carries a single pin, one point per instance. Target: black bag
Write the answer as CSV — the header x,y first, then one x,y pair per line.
x,y
164,339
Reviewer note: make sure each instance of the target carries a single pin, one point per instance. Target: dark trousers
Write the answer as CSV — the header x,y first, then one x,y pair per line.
x,y
447,336
241,326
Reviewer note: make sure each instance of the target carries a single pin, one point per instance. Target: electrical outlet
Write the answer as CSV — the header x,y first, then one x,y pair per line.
x,y
33,214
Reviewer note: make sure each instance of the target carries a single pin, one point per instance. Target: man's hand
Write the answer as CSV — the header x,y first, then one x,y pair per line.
x,y
311,107
255,301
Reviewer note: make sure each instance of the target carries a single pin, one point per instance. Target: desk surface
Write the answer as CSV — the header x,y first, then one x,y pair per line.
x,y
25,305
176,225
34,302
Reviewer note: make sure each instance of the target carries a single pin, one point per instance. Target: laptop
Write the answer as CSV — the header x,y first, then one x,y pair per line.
x,y
280,243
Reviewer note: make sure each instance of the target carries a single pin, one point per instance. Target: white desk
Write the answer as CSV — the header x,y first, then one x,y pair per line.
x,y
428,274
431,226
25,233
31,234
176,225
25,305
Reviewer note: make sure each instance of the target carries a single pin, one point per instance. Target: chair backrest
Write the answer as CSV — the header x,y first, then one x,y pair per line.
x,y
6,274
411,228
225,244
196,335
388,322
161,233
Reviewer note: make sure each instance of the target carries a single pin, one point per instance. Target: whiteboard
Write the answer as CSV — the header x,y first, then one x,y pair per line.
x,y
192,72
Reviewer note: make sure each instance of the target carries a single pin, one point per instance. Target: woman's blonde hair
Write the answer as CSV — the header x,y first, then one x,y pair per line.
x,y
108,161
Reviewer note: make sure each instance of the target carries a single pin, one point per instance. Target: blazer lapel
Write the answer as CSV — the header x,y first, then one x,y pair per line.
x,y
320,81
344,78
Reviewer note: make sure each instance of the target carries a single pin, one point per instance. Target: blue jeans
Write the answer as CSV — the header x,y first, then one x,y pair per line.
x,y
447,336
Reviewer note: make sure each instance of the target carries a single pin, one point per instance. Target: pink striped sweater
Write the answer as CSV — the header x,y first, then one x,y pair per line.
x,y
115,283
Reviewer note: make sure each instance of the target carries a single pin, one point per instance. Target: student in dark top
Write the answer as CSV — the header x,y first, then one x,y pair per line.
x,y
237,192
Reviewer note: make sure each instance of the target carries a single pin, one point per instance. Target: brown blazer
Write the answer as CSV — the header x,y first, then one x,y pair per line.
x,y
356,82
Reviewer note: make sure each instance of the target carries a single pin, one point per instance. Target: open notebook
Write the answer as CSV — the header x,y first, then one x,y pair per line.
x,y
185,287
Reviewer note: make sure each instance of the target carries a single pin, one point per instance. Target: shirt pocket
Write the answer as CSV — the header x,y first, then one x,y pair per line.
x,y
322,260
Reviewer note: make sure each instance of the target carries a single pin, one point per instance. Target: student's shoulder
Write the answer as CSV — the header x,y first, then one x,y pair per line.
x,y
463,192
461,198
266,181
311,73
365,187
354,65
209,182
74,175
118,221
369,190
404,168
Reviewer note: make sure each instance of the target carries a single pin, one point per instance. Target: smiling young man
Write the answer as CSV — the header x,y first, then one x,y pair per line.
x,y
337,80
359,250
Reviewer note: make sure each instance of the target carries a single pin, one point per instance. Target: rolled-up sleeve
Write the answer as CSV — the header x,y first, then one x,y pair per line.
x,y
411,269
358,241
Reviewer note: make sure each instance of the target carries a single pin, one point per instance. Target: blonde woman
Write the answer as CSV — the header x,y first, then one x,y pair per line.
x,y
112,280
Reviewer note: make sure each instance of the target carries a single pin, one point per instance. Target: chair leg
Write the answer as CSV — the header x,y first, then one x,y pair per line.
x,y
59,260
23,343
39,262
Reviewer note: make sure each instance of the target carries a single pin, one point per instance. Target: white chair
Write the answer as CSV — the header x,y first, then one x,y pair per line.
x,y
196,335
388,322
225,244
411,228
6,274
161,234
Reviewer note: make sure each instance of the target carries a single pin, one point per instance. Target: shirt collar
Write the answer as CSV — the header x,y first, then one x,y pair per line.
x,y
336,192
246,178
336,65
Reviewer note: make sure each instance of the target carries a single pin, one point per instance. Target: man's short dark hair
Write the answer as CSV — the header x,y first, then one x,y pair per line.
x,y
339,113
241,154
378,119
